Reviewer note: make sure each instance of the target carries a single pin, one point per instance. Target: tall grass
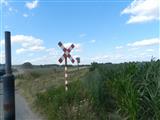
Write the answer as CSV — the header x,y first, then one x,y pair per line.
x,y
58,104
149,91
135,88
128,91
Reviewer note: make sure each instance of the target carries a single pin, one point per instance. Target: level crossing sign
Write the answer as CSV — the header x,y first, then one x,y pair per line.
x,y
64,57
66,53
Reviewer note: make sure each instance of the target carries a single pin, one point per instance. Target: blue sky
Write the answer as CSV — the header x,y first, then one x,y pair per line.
x,y
102,31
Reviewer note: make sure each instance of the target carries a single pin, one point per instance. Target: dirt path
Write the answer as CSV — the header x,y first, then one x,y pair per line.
x,y
23,112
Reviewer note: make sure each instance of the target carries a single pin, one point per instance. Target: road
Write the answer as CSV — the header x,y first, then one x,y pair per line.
x,y
23,112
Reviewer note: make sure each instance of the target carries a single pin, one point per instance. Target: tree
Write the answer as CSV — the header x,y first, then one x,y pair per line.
x,y
27,65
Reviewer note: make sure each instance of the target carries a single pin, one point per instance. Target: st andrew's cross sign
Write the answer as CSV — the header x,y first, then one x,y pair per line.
x,y
64,57
66,53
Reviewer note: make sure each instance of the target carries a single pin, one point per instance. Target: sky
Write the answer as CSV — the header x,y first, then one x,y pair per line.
x,y
102,30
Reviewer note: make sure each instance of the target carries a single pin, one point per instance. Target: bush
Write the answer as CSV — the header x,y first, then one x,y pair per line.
x,y
27,65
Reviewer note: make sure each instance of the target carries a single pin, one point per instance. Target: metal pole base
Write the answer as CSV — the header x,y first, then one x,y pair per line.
x,y
9,97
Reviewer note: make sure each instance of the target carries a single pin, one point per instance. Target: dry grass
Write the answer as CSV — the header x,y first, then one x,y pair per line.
x,y
33,81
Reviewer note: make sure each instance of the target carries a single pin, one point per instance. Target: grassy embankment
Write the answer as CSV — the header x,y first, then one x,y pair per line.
x,y
30,82
128,91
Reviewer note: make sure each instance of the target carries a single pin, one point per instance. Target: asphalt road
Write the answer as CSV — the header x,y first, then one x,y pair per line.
x,y
23,112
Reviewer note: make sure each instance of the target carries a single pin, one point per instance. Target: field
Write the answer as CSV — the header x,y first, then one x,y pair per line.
x,y
127,91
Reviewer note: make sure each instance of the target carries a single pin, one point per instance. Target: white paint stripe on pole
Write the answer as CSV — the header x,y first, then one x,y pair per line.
x,y
66,75
66,88
65,55
66,82
65,68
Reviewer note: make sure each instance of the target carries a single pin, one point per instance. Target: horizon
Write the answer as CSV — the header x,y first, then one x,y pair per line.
x,y
102,31
86,64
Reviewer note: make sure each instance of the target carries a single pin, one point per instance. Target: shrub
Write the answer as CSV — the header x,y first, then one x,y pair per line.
x,y
27,65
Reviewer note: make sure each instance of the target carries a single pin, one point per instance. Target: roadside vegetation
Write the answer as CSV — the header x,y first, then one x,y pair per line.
x,y
29,82
127,91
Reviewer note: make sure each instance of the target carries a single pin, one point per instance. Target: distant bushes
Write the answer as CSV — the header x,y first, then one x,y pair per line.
x,y
27,65
93,66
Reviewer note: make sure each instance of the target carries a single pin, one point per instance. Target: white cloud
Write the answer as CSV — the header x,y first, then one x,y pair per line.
x,y
32,5
25,15
142,11
9,8
20,50
28,43
47,56
2,56
39,60
123,57
31,49
2,42
92,41
115,58
147,42
4,2
25,39
43,59
150,50
52,52
119,47
133,49
12,9
77,46
100,58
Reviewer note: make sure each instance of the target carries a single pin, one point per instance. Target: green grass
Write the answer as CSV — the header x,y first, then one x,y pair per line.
x,y
34,81
135,88
62,105
128,91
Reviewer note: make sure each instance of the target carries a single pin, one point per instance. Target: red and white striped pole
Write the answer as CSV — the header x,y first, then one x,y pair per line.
x,y
64,56
66,75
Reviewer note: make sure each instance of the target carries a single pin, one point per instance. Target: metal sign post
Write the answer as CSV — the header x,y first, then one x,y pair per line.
x,y
8,82
64,56
78,61
66,75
